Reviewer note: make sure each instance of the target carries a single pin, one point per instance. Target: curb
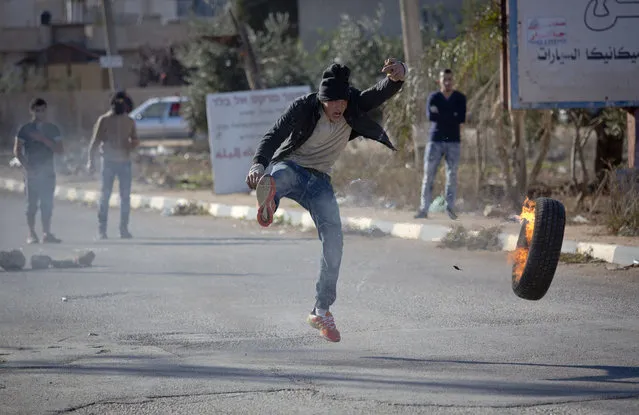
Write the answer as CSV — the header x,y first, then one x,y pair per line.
x,y
615,254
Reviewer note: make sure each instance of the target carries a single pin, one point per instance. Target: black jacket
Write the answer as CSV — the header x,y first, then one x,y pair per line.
x,y
298,122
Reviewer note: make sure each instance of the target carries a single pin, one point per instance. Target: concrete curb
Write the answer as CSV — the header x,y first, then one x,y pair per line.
x,y
616,254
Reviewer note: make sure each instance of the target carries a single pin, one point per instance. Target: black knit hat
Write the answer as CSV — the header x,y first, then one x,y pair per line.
x,y
334,85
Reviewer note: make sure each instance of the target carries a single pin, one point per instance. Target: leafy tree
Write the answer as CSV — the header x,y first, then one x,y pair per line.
x,y
215,62
361,46
281,57
212,63
609,128
253,12
473,55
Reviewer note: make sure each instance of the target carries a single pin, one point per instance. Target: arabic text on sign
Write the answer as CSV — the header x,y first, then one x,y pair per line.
x,y
235,153
555,55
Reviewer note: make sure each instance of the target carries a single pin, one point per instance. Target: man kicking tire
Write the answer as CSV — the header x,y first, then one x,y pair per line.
x,y
302,148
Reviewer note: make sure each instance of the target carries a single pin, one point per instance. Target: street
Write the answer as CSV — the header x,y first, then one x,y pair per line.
x,y
202,315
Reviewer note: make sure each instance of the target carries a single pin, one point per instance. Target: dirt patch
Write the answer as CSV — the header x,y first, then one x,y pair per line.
x,y
579,258
484,239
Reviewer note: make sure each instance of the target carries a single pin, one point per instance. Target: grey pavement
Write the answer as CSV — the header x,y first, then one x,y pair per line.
x,y
585,239
205,315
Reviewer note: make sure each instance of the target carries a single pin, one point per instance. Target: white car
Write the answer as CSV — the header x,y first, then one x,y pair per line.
x,y
161,119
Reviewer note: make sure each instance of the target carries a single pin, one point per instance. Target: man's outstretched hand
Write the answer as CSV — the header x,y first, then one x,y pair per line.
x,y
394,69
254,175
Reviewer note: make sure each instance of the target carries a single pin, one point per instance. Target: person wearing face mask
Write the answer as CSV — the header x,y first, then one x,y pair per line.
x,y
115,135
302,147
35,145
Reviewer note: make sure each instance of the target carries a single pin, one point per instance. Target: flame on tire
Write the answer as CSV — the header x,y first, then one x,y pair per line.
x,y
520,255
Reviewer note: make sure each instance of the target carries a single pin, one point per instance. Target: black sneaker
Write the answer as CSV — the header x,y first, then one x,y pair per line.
x,y
421,215
451,214
33,239
50,238
124,234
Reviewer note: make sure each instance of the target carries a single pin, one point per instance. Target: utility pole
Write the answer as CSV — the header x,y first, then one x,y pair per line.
x,y
111,46
413,50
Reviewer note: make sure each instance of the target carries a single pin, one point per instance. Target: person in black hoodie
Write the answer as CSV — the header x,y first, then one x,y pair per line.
x,y
302,147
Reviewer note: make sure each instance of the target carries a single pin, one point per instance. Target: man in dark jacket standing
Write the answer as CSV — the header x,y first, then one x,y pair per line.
x,y
446,110
303,145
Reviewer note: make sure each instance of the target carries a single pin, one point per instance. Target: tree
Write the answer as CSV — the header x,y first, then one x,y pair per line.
x,y
360,45
253,13
281,57
212,62
610,133
215,63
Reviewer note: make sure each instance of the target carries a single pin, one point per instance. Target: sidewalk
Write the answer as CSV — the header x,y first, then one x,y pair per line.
x,y
397,223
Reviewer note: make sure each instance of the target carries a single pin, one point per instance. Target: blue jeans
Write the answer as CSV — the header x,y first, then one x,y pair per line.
x,y
39,188
435,150
314,192
111,169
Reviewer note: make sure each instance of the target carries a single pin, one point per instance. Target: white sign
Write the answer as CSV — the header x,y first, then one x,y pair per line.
x,y
237,121
111,61
573,53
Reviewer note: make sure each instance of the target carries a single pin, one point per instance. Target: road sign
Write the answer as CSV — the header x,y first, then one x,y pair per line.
x,y
111,61
568,54
237,121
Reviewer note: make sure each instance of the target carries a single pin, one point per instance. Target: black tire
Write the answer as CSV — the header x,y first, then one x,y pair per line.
x,y
544,250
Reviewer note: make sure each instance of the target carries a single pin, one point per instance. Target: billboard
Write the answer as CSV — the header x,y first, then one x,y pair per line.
x,y
573,53
237,121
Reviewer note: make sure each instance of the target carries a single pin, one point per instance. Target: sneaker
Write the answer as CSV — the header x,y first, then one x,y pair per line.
x,y
421,215
124,234
50,238
33,239
451,214
102,236
326,326
265,193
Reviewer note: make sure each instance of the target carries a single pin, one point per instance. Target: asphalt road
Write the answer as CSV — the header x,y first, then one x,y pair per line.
x,y
199,315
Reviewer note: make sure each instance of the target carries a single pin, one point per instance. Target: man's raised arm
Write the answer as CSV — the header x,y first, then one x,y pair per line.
x,y
385,89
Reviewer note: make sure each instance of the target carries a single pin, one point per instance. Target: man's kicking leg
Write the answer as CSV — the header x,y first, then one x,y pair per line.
x,y
286,180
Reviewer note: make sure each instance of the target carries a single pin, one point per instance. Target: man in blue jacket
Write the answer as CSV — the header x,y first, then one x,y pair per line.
x,y
303,145
446,111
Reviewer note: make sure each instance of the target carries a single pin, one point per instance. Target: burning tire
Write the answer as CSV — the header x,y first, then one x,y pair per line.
x,y
538,249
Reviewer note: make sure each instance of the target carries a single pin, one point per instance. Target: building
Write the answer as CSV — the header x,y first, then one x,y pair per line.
x,y
61,41
27,13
